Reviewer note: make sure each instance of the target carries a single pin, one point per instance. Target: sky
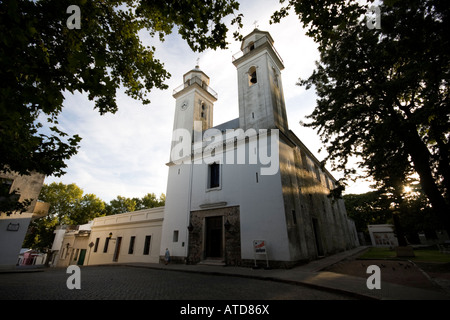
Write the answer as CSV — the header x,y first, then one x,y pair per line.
x,y
126,153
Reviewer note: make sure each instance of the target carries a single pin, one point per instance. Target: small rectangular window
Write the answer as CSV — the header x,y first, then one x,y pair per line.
x,y
214,175
147,245
316,169
96,244
131,247
105,248
294,217
175,236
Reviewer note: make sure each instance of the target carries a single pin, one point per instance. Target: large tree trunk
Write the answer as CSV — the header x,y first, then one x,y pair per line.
x,y
420,157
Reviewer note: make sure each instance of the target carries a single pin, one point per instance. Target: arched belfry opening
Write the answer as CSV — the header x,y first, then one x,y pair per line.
x,y
252,77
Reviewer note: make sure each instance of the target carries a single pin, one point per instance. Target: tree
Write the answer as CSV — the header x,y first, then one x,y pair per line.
x,y
42,57
383,94
150,201
63,200
40,234
123,204
87,208
368,208
68,206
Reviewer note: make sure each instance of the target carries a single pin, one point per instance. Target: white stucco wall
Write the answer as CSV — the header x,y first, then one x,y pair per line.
x,y
139,224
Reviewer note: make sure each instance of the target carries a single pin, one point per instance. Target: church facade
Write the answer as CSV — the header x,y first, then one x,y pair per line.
x,y
247,189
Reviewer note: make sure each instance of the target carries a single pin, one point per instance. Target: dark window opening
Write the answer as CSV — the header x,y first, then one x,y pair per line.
x,y
96,244
105,248
147,245
294,217
131,247
214,175
252,77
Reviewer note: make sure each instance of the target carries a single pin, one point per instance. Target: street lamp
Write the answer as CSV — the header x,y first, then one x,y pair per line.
x,y
227,225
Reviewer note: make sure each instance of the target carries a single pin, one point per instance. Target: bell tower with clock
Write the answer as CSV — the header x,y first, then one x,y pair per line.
x,y
194,101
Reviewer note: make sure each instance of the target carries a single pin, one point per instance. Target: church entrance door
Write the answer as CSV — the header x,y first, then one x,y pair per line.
x,y
214,237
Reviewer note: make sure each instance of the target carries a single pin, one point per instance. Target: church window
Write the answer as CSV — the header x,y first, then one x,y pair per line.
x,y
251,46
252,77
304,160
257,180
214,175
316,169
294,217
175,235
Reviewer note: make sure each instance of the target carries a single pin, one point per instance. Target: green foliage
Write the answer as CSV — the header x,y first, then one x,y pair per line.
x,y
41,58
9,199
40,233
123,204
368,208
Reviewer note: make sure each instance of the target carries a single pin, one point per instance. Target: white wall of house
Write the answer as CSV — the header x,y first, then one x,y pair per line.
x,y
138,224
12,232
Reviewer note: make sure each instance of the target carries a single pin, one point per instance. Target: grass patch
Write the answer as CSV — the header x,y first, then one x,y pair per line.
x,y
378,253
424,255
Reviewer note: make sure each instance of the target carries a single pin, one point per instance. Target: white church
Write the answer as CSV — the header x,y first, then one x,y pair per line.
x,y
249,182
243,192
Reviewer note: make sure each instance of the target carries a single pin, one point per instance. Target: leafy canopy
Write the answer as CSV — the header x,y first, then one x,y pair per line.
x,y
41,59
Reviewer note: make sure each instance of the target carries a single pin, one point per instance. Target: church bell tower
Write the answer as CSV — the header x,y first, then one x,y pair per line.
x,y
193,106
194,102
261,98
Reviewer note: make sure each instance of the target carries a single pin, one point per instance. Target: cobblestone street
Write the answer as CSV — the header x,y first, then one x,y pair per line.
x,y
122,282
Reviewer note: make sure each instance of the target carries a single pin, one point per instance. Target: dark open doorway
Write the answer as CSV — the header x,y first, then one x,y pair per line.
x,y
214,237
317,237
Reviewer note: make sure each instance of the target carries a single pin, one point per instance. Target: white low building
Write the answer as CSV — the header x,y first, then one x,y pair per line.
x,y
382,235
126,238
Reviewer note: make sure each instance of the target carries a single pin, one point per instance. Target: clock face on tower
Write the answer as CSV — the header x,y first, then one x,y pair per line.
x,y
184,105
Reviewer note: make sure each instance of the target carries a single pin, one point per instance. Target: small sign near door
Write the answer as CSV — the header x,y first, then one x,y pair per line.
x,y
259,247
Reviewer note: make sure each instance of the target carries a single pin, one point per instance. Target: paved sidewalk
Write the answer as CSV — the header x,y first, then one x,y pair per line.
x,y
310,275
